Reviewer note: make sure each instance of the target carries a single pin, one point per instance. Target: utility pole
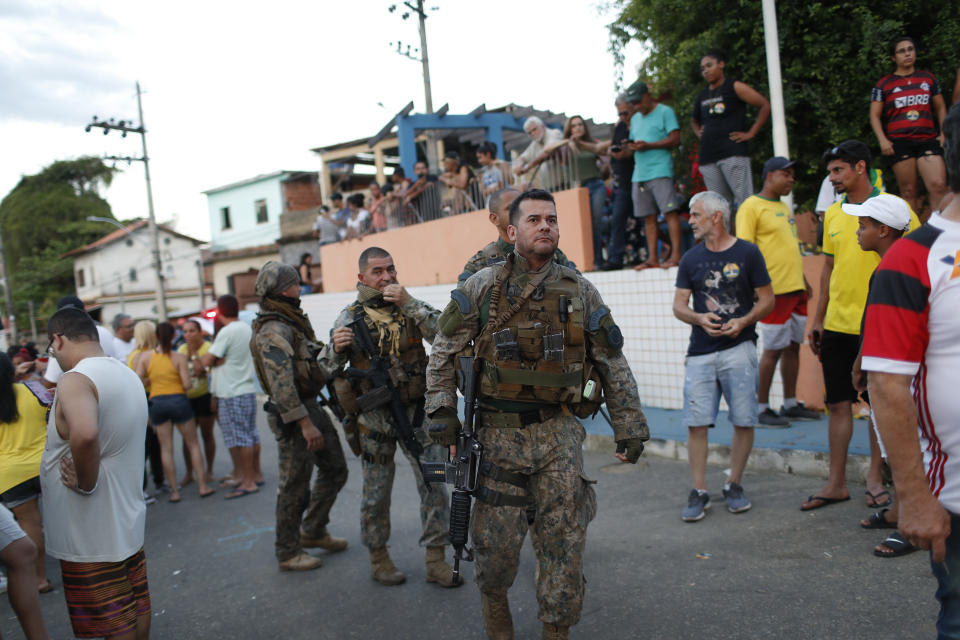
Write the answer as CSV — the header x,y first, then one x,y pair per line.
x,y
425,61
203,301
127,127
33,321
8,295
778,116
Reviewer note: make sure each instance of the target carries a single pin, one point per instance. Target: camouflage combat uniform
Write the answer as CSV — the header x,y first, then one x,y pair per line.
x,y
534,447
378,440
289,373
496,253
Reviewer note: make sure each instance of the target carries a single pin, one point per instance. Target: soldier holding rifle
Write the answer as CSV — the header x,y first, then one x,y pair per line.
x,y
381,336
546,350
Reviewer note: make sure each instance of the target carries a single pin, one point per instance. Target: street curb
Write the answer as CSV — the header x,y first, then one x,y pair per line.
x,y
795,461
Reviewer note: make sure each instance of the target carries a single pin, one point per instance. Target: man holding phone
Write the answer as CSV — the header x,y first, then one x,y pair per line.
x,y
834,333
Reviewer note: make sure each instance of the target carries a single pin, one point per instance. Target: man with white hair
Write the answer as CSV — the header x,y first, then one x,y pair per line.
x,y
541,137
731,292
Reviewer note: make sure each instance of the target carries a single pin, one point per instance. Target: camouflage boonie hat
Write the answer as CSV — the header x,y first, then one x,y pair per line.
x,y
275,278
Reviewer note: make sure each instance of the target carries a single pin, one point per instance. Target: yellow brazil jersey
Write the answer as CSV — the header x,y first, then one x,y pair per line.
x,y
852,268
769,225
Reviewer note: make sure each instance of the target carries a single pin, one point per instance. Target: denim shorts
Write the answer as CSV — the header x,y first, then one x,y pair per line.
x,y
732,372
173,408
10,531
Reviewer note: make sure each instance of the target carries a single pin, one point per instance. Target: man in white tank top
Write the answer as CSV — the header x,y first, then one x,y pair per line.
x,y
91,476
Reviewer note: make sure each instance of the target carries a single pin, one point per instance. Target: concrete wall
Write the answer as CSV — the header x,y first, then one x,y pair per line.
x,y
245,231
435,252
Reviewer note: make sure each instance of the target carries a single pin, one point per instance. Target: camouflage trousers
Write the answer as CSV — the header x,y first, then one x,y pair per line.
x,y
298,508
550,454
379,468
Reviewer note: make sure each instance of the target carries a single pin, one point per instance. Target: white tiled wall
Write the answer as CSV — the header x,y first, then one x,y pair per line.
x,y
655,342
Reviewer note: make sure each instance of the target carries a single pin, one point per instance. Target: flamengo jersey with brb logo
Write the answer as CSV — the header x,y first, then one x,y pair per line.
x,y
912,328
907,113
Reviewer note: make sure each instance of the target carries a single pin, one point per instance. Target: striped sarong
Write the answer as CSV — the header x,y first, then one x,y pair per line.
x,y
105,598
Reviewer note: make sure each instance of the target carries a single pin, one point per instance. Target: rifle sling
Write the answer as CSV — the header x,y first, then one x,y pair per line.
x,y
500,474
497,499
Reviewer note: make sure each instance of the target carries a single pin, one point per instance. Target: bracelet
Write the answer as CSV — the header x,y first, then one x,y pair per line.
x,y
83,492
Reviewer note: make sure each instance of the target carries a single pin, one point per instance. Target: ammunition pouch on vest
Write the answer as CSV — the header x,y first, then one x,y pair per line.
x,y
538,354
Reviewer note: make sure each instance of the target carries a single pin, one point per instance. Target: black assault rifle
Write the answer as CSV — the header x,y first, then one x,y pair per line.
x,y
383,392
463,472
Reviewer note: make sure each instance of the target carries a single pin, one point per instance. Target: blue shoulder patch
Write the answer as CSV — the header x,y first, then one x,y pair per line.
x,y
594,323
461,299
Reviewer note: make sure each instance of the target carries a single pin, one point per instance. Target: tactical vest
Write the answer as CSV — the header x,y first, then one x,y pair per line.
x,y
307,374
538,355
408,370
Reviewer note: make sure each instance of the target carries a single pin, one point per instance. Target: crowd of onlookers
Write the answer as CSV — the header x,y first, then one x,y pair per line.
x,y
745,278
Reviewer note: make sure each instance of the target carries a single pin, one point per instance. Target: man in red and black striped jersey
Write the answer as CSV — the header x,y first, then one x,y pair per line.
x,y
905,108
912,353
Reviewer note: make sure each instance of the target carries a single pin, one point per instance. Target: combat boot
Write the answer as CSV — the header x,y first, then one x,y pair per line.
x,y
382,569
496,615
326,542
302,562
439,571
554,632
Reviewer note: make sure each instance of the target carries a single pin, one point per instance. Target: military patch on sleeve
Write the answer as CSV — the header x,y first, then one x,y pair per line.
x,y
602,322
276,355
452,316
593,325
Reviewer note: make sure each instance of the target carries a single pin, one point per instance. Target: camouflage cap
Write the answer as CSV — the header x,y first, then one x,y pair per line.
x,y
275,278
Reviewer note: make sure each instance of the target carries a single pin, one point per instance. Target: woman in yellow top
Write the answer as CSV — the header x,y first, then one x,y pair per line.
x,y
145,339
194,348
23,434
165,372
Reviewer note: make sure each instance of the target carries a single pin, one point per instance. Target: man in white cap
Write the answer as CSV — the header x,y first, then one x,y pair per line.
x,y
883,220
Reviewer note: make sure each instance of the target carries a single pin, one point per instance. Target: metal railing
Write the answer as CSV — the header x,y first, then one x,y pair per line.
x,y
423,201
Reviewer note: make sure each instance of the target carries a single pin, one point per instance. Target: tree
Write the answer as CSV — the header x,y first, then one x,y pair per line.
x,y
831,53
42,218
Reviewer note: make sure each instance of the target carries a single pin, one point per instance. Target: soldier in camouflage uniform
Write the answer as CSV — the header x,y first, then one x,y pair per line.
x,y
545,343
398,324
284,352
497,251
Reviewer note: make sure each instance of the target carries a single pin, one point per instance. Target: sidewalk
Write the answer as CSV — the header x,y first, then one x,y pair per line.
x,y
801,448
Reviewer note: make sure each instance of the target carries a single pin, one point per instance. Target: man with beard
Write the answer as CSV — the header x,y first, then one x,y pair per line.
x,y
546,344
284,352
533,174
397,325
497,251
834,334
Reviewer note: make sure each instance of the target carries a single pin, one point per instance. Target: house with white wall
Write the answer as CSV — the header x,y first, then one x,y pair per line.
x,y
116,273
244,228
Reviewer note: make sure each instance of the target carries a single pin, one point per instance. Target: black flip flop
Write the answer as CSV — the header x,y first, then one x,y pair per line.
x,y
897,544
824,502
878,521
876,499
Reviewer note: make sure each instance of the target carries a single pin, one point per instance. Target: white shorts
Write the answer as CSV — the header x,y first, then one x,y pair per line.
x,y
779,336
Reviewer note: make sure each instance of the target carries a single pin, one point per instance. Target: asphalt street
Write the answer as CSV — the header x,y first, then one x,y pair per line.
x,y
772,572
